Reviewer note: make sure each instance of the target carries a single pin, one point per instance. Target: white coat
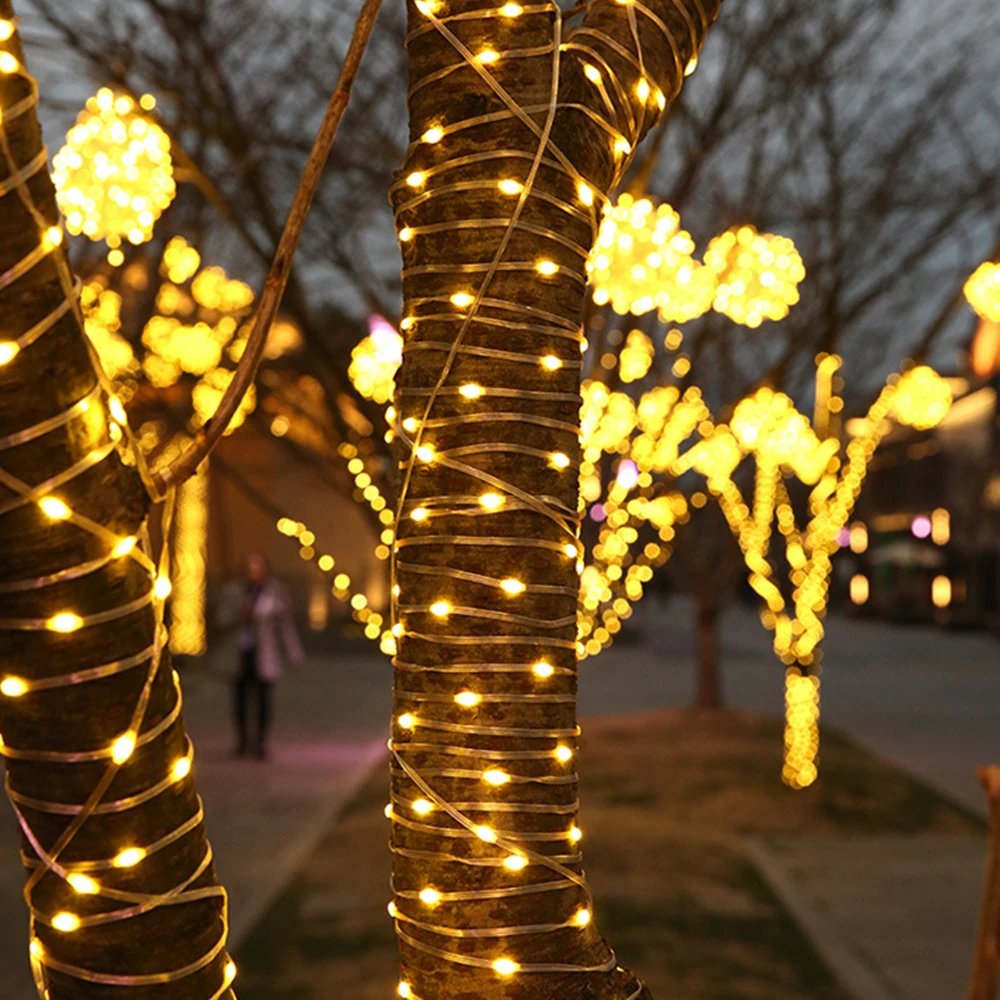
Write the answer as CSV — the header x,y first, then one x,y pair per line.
x,y
273,632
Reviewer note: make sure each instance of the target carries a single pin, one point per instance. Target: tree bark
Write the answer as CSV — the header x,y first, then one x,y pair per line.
x,y
493,283
986,970
709,693
80,810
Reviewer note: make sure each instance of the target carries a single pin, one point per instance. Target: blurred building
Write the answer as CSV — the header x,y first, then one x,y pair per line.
x,y
925,543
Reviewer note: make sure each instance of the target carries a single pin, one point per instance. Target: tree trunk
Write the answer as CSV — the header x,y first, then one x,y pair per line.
x,y
709,694
986,970
84,678
495,225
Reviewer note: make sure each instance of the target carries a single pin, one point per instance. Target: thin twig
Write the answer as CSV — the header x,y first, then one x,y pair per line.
x,y
209,436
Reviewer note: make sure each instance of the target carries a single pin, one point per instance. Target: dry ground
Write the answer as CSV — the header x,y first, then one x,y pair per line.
x,y
667,799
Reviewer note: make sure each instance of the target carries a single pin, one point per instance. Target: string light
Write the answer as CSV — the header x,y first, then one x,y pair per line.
x,y
521,653
768,426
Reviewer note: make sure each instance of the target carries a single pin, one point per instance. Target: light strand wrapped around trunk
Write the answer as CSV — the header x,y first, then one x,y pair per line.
x,y
519,135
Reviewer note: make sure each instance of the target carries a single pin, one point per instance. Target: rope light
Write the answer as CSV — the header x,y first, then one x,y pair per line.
x,y
497,222
78,853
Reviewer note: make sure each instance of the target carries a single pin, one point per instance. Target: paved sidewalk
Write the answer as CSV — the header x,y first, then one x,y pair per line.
x,y
264,819
893,917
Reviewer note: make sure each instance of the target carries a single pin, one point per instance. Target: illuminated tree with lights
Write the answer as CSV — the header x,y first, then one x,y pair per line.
x,y
519,132
785,445
121,885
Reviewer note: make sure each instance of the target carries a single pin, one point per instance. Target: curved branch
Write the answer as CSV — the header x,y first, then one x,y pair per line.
x,y
209,436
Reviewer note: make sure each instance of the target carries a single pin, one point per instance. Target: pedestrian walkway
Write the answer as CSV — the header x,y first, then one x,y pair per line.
x,y
264,818
894,918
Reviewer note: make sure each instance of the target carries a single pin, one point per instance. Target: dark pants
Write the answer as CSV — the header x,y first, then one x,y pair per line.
x,y
249,685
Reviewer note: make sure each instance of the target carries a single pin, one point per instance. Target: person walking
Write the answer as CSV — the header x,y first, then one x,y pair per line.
x,y
268,639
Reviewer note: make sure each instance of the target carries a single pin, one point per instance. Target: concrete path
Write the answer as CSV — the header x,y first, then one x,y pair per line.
x,y
895,918
263,818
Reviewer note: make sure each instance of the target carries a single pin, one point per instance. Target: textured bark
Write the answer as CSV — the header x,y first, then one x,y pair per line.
x,y
43,380
986,969
432,272
709,694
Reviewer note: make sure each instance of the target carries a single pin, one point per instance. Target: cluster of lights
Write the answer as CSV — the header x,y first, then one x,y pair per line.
x,y
114,177
758,275
375,361
643,261
98,419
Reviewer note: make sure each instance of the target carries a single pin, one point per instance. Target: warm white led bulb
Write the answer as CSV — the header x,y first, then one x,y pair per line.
x,y
494,776
181,768
582,917
512,586
407,720
65,621
559,460
403,989
563,754
422,807
486,833
551,363
83,884
543,669
162,587
576,834
416,178
123,748
425,453
462,299
515,863
433,135
128,858
511,10
491,501
505,966
592,73
66,922
692,65
487,56
124,547
13,687
471,390
642,89
54,508
467,699
510,186
229,973
585,193
441,609
419,514
405,234
430,897
547,268
410,424
8,351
